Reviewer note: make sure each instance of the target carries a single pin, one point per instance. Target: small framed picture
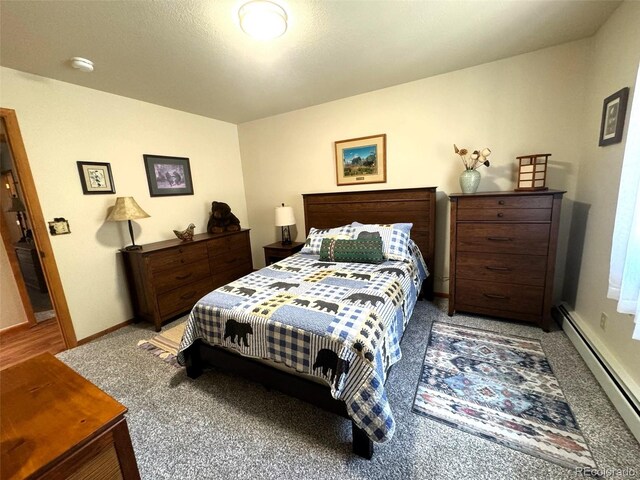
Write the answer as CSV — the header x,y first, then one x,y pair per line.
x,y
96,178
168,176
361,160
613,114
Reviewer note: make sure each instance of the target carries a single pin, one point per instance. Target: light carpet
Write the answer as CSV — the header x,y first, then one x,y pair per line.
x,y
223,427
501,388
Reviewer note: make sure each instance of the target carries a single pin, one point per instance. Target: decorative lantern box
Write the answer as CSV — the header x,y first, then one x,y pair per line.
x,y
532,172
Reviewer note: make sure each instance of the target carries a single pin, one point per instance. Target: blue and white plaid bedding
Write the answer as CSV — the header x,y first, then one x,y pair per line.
x,y
340,322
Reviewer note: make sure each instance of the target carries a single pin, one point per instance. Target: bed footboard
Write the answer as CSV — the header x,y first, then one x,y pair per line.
x,y
199,355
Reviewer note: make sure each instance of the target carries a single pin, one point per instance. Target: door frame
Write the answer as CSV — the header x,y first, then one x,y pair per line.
x,y
38,224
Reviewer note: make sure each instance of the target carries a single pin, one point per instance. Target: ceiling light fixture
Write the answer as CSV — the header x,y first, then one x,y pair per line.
x,y
262,19
82,64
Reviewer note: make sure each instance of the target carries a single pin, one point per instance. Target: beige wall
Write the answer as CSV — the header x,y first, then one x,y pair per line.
x,y
614,65
63,123
531,103
11,308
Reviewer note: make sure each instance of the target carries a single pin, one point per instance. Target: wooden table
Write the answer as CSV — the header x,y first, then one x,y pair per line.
x,y
56,424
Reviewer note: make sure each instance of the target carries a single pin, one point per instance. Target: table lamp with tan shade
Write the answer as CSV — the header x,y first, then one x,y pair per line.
x,y
126,208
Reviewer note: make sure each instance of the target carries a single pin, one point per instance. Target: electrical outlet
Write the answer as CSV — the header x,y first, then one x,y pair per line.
x,y
603,320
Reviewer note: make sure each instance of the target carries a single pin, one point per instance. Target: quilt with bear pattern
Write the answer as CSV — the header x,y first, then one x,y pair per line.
x,y
340,322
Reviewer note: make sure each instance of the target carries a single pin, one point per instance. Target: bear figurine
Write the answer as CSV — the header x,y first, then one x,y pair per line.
x,y
221,219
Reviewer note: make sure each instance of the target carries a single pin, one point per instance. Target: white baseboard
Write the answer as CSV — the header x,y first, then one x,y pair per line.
x,y
623,399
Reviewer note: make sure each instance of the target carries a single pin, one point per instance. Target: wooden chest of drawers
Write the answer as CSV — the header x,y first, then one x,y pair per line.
x,y
30,266
167,278
503,254
55,424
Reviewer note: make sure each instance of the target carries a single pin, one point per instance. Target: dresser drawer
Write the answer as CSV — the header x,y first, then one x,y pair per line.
x,y
505,214
499,296
183,298
176,257
223,245
26,256
532,239
529,201
166,280
499,267
222,277
229,261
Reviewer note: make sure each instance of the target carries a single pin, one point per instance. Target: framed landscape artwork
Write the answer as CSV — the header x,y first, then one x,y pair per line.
x,y
168,176
361,160
613,114
96,178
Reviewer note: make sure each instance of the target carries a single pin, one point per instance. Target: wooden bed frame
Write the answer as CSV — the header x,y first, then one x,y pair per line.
x,y
326,210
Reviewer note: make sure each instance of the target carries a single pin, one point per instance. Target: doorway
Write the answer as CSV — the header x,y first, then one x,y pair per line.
x,y
35,315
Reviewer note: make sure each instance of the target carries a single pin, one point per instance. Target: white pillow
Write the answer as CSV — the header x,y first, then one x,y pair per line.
x,y
395,238
316,235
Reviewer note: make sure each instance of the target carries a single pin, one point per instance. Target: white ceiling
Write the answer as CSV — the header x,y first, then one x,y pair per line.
x,y
191,55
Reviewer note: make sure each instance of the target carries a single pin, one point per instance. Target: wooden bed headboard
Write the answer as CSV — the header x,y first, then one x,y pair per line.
x,y
408,205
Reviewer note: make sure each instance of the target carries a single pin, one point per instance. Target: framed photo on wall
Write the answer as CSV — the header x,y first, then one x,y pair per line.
x,y
168,176
96,178
361,160
613,114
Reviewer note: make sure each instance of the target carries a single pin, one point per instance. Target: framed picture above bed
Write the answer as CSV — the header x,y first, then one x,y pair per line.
x,y
168,176
361,160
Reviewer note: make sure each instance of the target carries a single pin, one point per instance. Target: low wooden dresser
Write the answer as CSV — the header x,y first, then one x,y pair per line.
x,y
167,278
503,254
55,424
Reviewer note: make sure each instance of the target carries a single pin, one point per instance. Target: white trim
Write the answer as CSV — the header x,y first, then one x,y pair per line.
x,y
617,385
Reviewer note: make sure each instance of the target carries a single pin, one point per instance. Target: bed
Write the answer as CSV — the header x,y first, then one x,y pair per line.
x,y
325,332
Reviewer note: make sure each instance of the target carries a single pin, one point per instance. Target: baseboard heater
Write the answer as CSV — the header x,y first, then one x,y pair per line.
x,y
623,400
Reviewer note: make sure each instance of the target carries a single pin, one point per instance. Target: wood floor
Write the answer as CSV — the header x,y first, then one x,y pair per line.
x,y
19,345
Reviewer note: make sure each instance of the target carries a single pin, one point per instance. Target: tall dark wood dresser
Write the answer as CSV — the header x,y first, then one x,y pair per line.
x,y
503,254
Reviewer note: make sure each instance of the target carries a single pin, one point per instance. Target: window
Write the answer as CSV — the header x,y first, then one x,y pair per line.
x,y
624,276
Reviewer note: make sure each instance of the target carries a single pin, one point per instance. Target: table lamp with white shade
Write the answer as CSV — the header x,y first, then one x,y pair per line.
x,y
285,218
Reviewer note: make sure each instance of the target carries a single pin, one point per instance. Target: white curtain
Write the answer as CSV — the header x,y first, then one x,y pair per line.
x,y
624,276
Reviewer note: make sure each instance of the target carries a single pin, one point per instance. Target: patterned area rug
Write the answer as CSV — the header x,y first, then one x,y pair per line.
x,y
165,345
501,388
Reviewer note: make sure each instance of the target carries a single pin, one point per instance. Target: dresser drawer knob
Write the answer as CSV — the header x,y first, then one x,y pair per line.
x,y
183,277
500,202
187,296
498,269
180,250
500,239
500,215
493,296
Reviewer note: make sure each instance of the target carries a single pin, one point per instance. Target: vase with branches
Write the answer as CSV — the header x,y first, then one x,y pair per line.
x,y
470,177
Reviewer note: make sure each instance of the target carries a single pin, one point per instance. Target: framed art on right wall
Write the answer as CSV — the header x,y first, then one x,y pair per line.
x,y
613,113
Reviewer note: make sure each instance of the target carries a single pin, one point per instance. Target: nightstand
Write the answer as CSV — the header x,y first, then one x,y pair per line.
x,y
277,251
